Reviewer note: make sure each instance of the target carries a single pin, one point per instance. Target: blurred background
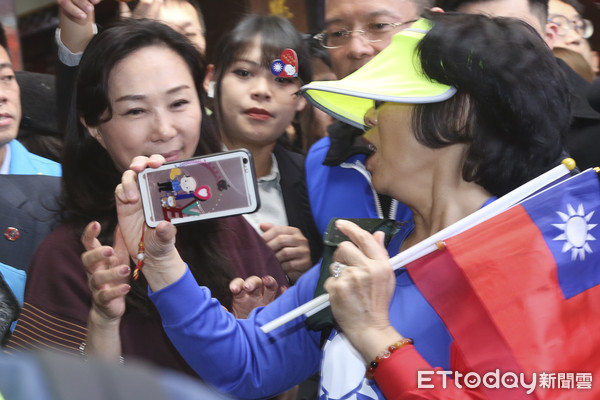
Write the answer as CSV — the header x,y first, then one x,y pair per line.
x,y
30,24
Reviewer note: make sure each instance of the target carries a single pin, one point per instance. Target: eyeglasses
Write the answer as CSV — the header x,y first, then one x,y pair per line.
x,y
373,32
581,26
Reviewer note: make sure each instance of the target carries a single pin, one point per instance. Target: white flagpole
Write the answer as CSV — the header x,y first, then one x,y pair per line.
x,y
430,244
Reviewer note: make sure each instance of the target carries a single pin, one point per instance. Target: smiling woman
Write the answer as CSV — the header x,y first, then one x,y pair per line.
x,y
480,106
139,92
162,120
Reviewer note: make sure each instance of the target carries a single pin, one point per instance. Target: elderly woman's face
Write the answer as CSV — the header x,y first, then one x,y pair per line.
x,y
398,157
155,108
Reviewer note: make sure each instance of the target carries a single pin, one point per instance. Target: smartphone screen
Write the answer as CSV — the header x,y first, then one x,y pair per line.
x,y
212,186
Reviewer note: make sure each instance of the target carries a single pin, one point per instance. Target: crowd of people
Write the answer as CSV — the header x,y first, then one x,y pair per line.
x,y
415,112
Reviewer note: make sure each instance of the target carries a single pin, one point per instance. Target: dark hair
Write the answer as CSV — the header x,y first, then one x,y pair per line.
x,y
276,34
196,6
89,174
576,5
134,3
316,50
3,41
512,103
537,7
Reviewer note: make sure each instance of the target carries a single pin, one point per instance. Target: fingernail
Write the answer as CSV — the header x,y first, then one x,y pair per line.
x,y
247,287
124,270
125,289
340,222
108,251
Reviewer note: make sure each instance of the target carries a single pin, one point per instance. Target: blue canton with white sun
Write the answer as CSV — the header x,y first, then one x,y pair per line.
x,y
566,218
276,67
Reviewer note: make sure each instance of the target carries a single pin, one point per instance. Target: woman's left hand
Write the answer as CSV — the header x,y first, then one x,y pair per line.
x,y
360,296
252,292
291,248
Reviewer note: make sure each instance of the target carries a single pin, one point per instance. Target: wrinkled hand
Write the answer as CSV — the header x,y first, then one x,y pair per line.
x,y
360,297
290,247
108,273
77,10
162,263
251,293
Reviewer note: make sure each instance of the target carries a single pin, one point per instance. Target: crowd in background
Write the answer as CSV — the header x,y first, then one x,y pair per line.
x,y
139,91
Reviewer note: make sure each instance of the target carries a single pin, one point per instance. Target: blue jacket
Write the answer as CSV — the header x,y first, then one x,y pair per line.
x,y
343,191
238,358
22,162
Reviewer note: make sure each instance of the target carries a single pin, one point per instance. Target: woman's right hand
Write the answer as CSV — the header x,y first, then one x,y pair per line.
x,y
108,274
162,263
108,278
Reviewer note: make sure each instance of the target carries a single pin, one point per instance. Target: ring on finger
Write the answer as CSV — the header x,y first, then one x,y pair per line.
x,y
337,269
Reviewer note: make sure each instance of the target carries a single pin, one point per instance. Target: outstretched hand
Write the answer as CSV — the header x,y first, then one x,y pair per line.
x,y
251,293
108,273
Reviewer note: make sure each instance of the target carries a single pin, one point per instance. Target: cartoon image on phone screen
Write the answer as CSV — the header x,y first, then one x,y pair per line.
x,y
213,186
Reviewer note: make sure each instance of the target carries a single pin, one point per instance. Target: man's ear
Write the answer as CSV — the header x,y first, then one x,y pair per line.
x,y
551,33
209,81
94,132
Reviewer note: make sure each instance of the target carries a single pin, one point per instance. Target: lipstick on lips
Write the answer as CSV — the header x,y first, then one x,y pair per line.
x,y
259,114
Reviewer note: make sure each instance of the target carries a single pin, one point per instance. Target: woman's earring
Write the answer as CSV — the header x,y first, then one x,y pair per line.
x,y
210,92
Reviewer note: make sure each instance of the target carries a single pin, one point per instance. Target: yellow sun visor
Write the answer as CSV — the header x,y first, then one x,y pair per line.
x,y
394,75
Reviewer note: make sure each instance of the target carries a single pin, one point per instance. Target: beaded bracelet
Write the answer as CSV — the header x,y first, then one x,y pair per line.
x,y
386,354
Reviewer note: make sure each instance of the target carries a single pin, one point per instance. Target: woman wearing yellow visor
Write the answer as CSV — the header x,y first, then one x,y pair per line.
x,y
460,109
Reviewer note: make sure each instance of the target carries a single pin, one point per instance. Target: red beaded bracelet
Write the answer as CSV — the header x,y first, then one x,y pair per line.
x,y
388,352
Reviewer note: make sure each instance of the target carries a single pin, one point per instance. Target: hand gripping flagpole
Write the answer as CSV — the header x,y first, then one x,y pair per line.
x,y
435,241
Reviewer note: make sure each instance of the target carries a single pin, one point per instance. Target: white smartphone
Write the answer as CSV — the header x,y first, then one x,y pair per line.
x,y
200,188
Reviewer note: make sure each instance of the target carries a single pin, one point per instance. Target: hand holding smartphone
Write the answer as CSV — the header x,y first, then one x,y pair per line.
x,y
213,186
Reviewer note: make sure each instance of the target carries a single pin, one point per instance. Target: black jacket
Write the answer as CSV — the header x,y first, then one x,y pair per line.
x,y
295,198
29,204
583,138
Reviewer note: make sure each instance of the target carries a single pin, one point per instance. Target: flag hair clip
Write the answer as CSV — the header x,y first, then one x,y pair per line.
x,y
286,66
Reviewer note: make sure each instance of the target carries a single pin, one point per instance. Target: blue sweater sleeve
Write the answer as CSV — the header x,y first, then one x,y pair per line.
x,y
235,355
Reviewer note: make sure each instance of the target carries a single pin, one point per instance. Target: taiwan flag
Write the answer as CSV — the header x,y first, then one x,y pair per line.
x,y
520,292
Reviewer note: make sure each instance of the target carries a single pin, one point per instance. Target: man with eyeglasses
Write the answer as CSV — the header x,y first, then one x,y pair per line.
x,y
572,29
338,182
339,186
583,138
